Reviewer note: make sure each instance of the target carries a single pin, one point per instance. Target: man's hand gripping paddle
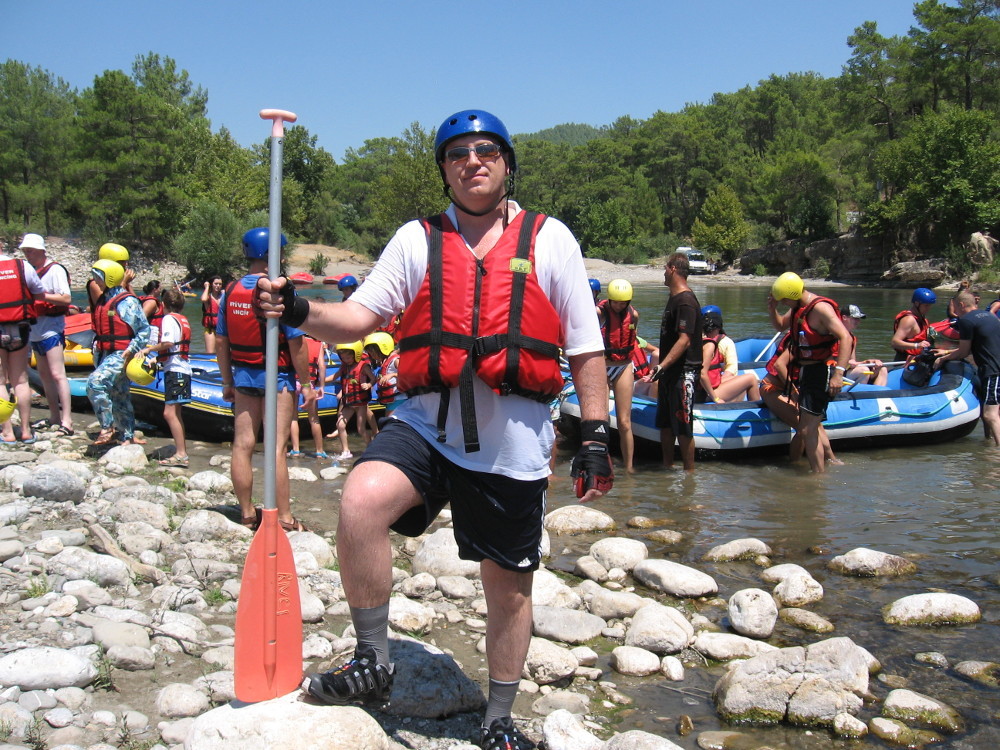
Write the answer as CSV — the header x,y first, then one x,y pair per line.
x,y
269,614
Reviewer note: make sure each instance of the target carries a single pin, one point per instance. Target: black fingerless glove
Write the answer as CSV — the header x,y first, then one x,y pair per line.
x,y
591,466
296,308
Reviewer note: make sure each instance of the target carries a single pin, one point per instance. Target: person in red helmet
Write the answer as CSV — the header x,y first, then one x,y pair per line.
x,y
491,293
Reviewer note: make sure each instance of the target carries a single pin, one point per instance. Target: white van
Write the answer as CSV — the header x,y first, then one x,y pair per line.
x,y
696,260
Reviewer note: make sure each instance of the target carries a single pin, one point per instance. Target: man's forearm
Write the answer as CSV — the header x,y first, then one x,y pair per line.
x,y
591,382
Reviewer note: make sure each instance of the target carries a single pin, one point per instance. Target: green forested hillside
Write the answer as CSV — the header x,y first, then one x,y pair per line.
x,y
905,140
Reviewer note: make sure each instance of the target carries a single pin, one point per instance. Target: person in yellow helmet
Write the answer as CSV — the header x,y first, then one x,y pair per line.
x,y
620,329
120,331
356,379
119,254
819,352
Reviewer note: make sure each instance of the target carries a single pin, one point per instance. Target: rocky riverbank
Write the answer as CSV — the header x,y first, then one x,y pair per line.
x,y
119,582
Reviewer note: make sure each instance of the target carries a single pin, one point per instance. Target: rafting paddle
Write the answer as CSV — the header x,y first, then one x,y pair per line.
x,y
269,615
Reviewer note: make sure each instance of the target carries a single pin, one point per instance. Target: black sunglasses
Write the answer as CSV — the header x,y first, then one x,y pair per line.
x,y
483,151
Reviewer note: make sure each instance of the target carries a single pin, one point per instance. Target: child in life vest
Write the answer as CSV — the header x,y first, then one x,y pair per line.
x,y
172,350
356,378
317,371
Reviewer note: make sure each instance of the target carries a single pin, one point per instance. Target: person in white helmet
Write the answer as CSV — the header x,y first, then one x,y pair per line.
x,y
20,287
47,337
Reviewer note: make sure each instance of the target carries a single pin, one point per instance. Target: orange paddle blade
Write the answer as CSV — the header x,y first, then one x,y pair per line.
x,y
268,617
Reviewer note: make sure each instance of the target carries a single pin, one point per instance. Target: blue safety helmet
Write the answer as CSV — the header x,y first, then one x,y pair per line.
x,y
595,286
255,242
347,281
711,309
473,121
923,296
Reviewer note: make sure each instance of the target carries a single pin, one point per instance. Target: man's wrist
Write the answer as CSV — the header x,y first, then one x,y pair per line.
x,y
595,431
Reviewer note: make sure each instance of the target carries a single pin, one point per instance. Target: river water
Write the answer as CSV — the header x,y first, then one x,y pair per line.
x,y
936,505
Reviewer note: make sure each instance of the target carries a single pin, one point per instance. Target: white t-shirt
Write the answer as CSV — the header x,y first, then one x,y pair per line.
x,y
515,433
172,333
55,281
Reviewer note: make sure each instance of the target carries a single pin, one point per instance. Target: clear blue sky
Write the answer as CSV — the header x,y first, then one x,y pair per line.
x,y
360,70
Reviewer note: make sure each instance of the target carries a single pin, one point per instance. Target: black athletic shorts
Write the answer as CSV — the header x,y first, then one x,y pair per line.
x,y
495,517
675,402
814,385
176,388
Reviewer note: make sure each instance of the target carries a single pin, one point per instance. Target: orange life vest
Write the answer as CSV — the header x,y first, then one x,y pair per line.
x,y
111,333
156,317
387,393
640,362
921,334
485,318
17,304
314,350
210,312
45,309
718,362
245,330
182,347
392,327
808,344
619,335
351,392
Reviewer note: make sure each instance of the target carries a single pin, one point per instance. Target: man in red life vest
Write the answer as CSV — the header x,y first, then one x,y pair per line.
x,y
820,348
910,335
240,349
20,287
48,334
485,285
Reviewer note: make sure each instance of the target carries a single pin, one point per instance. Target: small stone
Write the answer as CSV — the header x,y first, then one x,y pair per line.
x,y
984,672
934,608
934,658
665,536
805,620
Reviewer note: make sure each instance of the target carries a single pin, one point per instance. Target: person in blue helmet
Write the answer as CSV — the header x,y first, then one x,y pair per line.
x,y
911,330
595,288
240,342
495,284
347,286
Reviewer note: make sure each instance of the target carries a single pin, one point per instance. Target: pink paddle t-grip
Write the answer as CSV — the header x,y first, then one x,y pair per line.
x,y
279,116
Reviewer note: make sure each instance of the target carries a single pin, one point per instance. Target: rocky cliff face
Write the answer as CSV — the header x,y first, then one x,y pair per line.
x,y
850,258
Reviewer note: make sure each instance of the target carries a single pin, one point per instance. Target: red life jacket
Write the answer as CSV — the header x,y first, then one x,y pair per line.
x,y
619,335
778,351
921,334
718,362
351,392
314,351
808,344
156,318
392,327
111,333
17,304
182,347
387,393
246,331
640,362
47,309
210,312
485,318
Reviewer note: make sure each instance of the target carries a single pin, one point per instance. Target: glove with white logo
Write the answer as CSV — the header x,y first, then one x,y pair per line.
x,y
591,466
